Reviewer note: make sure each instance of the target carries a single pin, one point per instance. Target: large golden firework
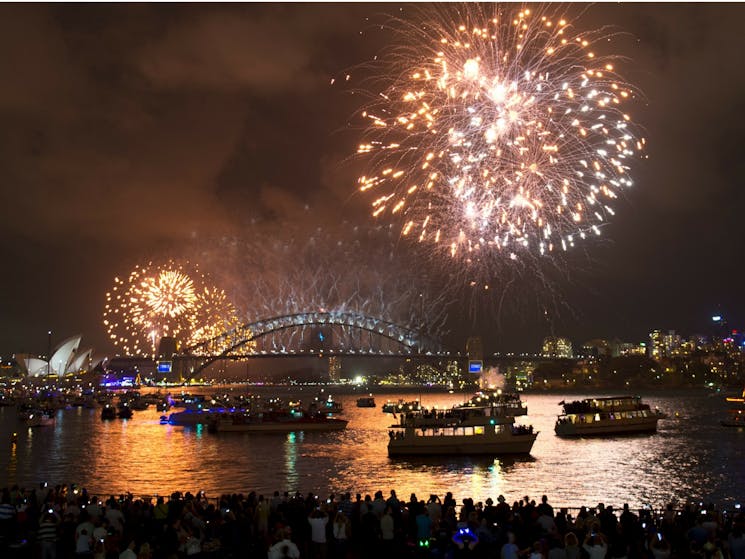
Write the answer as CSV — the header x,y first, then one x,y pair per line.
x,y
500,132
153,302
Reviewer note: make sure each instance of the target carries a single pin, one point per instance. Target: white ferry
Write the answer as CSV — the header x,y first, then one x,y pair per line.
x,y
469,431
402,406
616,415
508,402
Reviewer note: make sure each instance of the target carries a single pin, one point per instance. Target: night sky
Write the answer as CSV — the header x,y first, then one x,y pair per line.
x,y
133,132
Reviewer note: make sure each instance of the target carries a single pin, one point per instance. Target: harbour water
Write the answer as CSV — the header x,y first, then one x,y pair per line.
x,y
690,457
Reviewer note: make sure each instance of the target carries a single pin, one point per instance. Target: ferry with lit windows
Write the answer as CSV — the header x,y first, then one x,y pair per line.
x,y
508,403
736,413
616,415
471,431
401,406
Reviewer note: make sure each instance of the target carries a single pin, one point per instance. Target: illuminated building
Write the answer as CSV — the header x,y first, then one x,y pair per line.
x,y
519,375
626,348
671,342
656,344
334,369
65,360
555,347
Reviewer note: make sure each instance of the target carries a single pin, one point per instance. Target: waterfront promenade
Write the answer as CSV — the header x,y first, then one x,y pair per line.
x,y
67,521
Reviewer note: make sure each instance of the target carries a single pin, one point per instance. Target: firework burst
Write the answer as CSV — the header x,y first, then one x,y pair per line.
x,y
153,302
500,134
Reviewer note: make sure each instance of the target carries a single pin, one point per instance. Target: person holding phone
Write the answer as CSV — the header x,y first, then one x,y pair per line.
x,y
659,546
595,544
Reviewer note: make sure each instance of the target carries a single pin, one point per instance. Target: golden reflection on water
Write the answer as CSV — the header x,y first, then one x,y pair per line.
x,y
148,458
689,455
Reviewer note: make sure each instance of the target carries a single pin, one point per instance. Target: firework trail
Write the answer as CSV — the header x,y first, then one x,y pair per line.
x,y
285,270
499,135
169,300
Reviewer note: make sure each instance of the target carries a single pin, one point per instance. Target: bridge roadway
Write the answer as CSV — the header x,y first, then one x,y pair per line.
x,y
494,358
231,345
321,353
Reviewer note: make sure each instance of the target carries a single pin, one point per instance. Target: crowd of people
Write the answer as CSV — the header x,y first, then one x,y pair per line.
x,y
69,522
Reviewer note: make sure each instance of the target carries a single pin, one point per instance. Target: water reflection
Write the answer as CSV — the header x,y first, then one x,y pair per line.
x,y
12,468
690,456
290,450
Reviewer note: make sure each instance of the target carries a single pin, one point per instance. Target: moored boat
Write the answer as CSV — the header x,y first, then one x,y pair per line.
x,y
366,402
326,405
276,422
472,431
124,411
40,418
190,418
108,412
615,415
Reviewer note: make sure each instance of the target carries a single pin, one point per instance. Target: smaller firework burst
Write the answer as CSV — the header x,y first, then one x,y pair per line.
x,y
153,302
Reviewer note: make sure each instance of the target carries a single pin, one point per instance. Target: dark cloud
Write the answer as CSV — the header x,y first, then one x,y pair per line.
x,y
248,48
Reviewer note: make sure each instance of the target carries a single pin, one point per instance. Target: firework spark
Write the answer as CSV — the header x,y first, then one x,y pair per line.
x,y
499,135
342,268
153,302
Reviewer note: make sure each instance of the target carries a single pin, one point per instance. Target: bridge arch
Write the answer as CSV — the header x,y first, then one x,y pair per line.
x,y
220,347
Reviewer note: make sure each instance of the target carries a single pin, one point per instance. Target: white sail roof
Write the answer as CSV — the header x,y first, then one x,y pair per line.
x,y
35,367
80,361
62,357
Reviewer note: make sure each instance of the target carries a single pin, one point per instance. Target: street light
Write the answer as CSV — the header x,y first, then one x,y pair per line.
x,y
49,351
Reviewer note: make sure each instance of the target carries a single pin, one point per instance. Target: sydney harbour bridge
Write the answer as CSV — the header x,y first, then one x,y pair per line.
x,y
317,333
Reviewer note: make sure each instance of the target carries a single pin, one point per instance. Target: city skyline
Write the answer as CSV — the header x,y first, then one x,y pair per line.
x,y
138,133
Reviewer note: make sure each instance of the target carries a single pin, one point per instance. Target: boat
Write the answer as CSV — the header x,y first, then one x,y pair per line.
x,y
326,405
189,417
202,411
736,413
276,422
366,402
401,406
108,412
508,402
40,419
472,431
124,411
615,415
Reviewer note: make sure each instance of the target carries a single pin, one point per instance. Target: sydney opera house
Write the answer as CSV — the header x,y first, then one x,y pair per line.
x,y
67,359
